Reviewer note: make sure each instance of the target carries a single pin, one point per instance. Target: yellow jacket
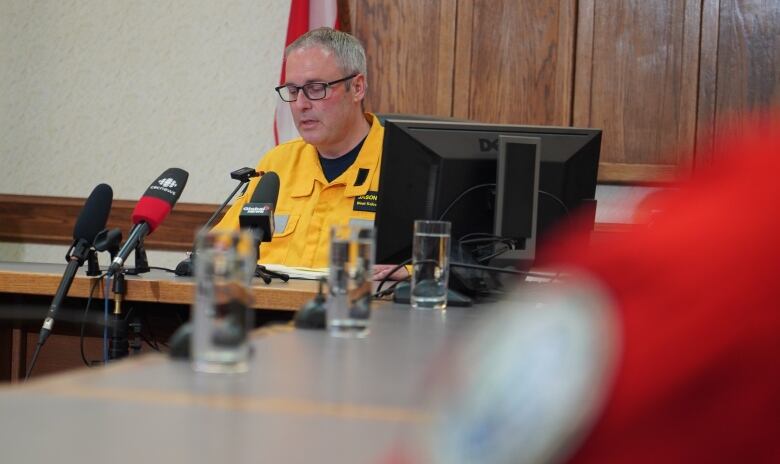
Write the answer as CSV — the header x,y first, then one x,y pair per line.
x,y
308,205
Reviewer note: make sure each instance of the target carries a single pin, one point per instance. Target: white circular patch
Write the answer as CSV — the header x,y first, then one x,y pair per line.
x,y
531,379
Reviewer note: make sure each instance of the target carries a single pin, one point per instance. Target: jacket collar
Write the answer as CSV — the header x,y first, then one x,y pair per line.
x,y
367,159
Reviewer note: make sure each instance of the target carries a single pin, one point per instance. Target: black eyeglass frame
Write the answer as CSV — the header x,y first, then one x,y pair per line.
x,y
303,87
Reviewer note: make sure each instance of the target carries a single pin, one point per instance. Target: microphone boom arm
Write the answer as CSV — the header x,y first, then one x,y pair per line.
x,y
227,200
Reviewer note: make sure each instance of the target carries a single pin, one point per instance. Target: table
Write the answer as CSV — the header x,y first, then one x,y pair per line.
x,y
26,290
156,286
307,398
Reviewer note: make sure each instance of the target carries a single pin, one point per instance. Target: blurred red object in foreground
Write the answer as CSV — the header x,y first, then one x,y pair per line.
x,y
698,308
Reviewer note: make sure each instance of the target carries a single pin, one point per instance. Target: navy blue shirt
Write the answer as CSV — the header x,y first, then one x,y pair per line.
x,y
332,168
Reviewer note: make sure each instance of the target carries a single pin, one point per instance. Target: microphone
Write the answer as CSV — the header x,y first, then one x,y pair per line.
x,y
92,219
242,175
258,214
151,210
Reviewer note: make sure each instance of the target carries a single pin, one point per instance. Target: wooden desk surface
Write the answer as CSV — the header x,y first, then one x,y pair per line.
x,y
155,286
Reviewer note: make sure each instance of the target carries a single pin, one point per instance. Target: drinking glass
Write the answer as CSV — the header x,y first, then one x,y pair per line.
x,y
223,315
430,264
349,281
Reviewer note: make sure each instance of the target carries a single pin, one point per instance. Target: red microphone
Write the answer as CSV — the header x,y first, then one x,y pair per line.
x,y
151,210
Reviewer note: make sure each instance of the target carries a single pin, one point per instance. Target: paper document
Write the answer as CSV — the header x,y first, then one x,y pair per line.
x,y
306,273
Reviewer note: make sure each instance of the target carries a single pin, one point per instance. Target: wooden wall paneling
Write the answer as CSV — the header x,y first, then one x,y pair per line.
x,y
39,219
689,86
567,29
708,80
747,68
446,59
461,101
6,348
518,61
636,78
410,47
748,56
583,71
635,173
346,15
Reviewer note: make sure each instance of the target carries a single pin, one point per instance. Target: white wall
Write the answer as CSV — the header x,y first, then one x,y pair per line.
x,y
116,91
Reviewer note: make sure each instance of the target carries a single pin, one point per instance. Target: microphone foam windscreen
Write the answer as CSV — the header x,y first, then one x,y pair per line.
x,y
168,186
267,190
151,210
94,214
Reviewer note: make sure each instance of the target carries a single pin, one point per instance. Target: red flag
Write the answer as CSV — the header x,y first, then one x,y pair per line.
x,y
305,15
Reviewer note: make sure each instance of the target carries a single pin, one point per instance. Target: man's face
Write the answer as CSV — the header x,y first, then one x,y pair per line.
x,y
322,123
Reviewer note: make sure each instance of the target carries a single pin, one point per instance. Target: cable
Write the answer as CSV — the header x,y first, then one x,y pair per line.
x,y
152,336
503,270
84,318
490,268
558,200
463,194
387,276
105,319
163,269
497,252
389,290
477,234
485,238
488,242
39,345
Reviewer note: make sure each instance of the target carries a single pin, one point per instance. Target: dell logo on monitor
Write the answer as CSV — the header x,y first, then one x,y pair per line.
x,y
488,145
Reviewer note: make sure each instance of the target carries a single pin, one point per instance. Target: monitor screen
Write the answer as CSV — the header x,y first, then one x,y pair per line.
x,y
428,164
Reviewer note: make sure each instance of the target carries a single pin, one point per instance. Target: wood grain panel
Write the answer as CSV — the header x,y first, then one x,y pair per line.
x,y
625,173
410,46
345,15
515,59
708,81
39,219
639,66
745,76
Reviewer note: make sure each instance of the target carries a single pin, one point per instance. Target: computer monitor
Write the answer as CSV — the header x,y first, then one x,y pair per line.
x,y
428,164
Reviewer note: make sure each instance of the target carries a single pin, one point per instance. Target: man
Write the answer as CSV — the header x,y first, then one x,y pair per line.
x,y
328,174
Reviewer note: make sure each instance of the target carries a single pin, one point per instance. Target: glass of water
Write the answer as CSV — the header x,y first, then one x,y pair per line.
x,y
349,281
222,311
430,263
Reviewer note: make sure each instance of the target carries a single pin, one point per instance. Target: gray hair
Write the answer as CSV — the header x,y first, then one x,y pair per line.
x,y
349,52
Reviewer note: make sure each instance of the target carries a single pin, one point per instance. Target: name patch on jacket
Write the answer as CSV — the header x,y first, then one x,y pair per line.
x,y
366,202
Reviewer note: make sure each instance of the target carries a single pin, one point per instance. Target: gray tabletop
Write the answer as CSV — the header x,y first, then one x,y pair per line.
x,y
307,397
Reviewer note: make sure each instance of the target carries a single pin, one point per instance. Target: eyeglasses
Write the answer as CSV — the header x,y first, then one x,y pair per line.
x,y
312,90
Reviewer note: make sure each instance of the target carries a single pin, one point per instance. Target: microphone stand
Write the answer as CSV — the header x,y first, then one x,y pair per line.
x,y
118,343
93,265
267,274
261,271
109,240
141,262
76,255
243,175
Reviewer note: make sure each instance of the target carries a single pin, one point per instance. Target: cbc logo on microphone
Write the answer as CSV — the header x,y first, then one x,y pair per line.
x,y
166,185
167,182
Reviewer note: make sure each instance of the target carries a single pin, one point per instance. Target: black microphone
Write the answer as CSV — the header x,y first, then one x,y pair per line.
x,y
151,210
242,175
258,214
91,221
